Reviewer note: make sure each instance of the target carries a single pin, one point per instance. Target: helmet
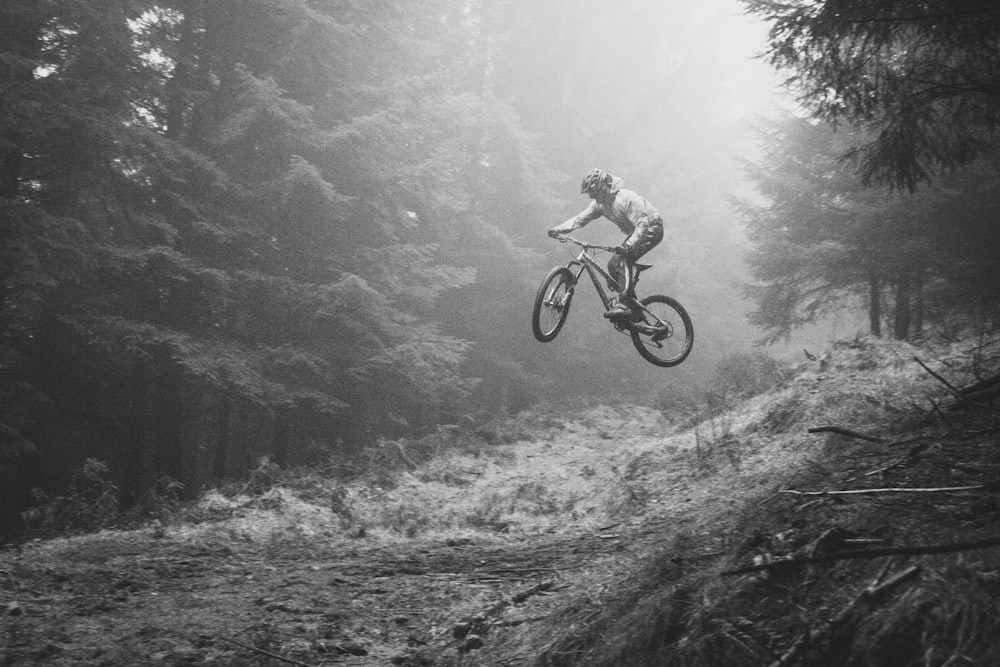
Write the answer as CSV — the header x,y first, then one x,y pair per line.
x,y
596,179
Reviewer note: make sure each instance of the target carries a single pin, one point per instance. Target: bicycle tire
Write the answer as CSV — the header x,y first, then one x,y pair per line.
x,y
665,347
552,304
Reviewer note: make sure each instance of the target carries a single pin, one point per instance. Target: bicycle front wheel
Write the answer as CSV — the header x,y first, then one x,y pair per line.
x,y
552,304
662,331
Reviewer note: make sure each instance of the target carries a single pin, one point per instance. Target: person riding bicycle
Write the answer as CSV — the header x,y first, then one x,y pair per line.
x,y
633,215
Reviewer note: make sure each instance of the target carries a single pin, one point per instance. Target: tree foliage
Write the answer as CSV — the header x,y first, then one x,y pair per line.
x,y
227,227
823,242
921,78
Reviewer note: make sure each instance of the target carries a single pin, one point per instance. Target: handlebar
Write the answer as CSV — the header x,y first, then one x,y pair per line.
x,y
562,238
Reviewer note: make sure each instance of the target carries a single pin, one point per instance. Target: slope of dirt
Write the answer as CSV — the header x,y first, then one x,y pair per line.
x,y
592,536
409,572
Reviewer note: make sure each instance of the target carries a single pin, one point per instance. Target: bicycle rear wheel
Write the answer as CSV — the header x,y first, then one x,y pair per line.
x,y
662,331
552,304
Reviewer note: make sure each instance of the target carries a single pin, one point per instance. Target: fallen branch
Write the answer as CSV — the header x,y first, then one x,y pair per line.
x,y
868,554
962,467
993,486
847,432
267,653
984,345
937,377
868,595
884,469
908,441
981,385
940,413
980,396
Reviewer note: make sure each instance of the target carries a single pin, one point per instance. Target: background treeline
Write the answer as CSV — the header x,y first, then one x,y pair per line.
x,y
882,192
823,242
237,228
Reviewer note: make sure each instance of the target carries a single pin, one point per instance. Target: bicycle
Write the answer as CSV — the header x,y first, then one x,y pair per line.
x,y
659,326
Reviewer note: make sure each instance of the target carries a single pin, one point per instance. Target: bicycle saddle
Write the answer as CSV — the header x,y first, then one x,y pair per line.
x,y
642,267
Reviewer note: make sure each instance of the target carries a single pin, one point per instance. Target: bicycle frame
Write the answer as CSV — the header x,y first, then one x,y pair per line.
x,y
585,262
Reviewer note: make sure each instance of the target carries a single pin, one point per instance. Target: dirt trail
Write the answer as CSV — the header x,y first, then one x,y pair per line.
x,y
431,570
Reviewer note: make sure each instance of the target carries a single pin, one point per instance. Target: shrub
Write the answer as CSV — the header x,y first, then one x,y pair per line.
x,y
92,503
746,374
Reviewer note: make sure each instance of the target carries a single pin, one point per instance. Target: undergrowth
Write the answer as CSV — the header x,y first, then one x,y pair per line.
x,y
699,601
737,578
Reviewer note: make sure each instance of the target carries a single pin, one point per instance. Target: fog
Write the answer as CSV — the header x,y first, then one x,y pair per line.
x,y
662,95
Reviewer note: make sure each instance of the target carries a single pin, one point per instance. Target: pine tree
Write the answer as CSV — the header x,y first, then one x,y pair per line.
x,y
922,78
821,240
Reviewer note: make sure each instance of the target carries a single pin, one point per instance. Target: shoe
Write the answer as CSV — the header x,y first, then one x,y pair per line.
x,y
618,310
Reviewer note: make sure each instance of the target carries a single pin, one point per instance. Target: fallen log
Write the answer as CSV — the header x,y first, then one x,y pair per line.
x,y
980,396
937,377
868,554
993,486
981,385
847,432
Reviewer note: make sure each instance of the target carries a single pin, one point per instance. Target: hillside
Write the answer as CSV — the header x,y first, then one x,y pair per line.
x,y
591,535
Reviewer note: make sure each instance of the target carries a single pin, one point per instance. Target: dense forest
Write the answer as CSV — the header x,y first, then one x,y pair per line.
x,y
882,191
287,228
233,229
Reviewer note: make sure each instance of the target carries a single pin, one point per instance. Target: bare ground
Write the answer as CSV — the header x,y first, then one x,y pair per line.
x,y
500,554
417,573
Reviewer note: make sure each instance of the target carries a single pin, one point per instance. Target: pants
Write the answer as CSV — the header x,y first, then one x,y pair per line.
x,y
644,239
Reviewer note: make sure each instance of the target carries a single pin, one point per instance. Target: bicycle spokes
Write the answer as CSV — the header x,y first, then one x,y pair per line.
x,y
663,335
552,304
557,299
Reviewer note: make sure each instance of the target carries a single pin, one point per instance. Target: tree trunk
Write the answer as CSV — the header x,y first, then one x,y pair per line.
x,y
139,471
20,39
901,327
918,303
225,410
281,444
169,412
10,174
875,306
181,78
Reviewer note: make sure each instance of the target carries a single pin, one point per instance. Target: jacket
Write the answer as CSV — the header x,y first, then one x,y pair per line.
x,y
631,213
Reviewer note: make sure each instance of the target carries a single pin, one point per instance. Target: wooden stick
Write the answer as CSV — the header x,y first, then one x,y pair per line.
x,y
844,431
981,395
894,464
937,377
866,554
267,653
919,489
982,384
942,415
867,595
908,441
987,344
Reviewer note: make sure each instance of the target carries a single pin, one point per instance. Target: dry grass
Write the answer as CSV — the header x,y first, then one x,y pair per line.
x,y
633,518
680,610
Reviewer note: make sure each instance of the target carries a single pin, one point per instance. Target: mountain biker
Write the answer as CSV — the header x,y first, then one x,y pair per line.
x,y
633,215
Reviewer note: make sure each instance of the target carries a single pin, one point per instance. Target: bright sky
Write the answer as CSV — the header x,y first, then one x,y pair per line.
x,y
754,83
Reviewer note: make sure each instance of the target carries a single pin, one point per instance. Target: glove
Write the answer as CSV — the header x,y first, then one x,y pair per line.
x,y
622,250
553,233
